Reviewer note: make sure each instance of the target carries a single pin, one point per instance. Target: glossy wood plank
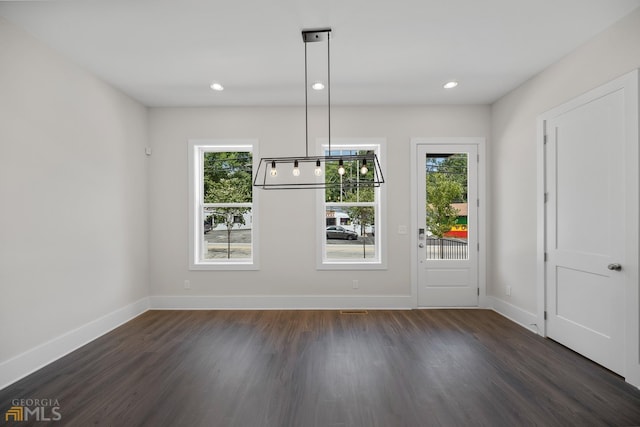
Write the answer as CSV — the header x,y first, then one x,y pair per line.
x,y
323,368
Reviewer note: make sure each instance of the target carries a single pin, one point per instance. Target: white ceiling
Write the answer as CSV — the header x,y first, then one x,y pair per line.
x,y
167,52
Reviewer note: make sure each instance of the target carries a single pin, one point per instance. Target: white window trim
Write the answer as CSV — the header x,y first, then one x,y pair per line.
x,y
195,152
380,262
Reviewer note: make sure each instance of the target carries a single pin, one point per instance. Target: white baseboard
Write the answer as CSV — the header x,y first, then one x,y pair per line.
x,y
24,364
517,315
282,302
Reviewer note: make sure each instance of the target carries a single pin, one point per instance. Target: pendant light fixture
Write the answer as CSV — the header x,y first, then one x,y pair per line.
x,y
317,172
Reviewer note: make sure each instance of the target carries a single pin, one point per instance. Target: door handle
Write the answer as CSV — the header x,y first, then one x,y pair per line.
x,y
614,267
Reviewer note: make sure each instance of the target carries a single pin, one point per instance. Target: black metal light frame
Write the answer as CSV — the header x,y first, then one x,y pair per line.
x,y
265,181
263,178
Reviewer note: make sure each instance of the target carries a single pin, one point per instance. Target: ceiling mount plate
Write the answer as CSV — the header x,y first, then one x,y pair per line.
x,y
315,35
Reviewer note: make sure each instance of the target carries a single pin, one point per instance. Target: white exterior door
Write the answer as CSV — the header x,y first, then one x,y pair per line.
x,y
586,226
447,253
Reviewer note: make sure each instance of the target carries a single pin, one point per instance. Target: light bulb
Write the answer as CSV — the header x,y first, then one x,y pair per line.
x,y
318,170
364,169
296,169
274,172
341,167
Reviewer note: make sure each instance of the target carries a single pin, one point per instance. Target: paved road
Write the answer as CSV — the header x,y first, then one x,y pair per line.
x,y
244,236
241,246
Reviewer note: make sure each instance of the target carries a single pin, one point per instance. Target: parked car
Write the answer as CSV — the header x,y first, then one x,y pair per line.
x,y
337,232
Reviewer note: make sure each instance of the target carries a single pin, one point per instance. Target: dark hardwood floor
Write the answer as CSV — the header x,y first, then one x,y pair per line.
x,y
324,368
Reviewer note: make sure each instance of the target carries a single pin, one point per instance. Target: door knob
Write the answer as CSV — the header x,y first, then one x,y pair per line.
x,y
615,267
421,245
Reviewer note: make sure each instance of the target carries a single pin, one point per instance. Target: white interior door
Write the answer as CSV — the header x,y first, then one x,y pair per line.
x,y
587,227
447,264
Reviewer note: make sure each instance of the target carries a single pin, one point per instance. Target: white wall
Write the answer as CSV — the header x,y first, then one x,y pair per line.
x,y
512,180
288,258
73,189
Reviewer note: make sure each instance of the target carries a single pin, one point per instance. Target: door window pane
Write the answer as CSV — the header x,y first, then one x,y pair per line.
x,y
447,206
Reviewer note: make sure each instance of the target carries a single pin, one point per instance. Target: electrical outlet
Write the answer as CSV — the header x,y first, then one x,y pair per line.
x,y
355,284
508,291
187,284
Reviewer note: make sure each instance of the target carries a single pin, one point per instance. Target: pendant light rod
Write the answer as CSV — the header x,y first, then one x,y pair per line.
x,y
329,87
310,36
306,103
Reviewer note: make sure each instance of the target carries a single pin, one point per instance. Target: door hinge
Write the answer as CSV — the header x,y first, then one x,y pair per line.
x,y
478,158
478,202
546,257
545,315
478,291
478,246
546,197
544,138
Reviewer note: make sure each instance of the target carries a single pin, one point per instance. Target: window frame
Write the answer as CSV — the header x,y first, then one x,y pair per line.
x,y
378,145
196,150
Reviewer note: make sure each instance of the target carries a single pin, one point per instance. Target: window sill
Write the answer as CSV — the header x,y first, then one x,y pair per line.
x,y
338,265
228,266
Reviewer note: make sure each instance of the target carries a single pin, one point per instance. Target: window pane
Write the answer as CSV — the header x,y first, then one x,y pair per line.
x,y
227,177
227,233
353,185
447,209
350,233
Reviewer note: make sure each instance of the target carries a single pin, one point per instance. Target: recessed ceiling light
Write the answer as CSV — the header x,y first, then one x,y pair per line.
x,y
317,86
217,86
450,85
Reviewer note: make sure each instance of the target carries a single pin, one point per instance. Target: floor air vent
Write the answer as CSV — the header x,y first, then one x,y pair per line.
x,y
354,312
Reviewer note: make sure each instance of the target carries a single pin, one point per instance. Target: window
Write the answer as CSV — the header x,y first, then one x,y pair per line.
x,y
222,207
350,213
